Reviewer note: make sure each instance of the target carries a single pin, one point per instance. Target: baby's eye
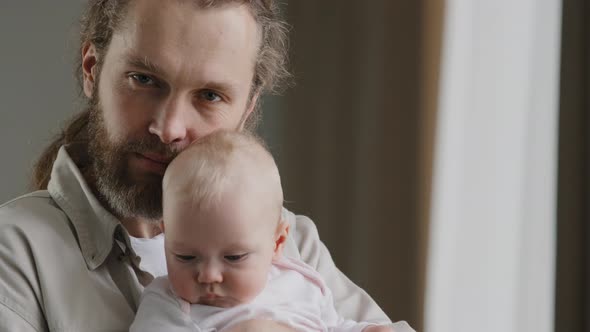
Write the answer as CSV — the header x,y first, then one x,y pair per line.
x,y
235,258
185,258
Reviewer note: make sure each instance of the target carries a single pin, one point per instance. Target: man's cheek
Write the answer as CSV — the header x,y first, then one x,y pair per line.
x,y
135,113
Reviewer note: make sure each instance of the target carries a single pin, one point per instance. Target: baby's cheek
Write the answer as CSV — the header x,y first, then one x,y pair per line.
x,y
250,284
183,284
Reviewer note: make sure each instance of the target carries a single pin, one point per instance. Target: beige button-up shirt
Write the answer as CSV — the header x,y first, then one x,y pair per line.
x,y
61,268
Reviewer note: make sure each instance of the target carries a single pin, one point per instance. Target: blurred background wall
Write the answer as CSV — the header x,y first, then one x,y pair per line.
x,y
38,43
353,136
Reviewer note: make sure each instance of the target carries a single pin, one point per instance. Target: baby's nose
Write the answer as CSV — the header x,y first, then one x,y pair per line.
x,y
209,273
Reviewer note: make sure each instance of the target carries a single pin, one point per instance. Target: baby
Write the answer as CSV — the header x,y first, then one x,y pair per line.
x,y
224,236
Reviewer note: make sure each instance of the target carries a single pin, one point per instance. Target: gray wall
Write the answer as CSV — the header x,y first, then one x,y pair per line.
x,y
37,85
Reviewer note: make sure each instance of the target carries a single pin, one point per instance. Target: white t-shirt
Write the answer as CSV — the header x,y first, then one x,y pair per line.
x,y
152,254
295,295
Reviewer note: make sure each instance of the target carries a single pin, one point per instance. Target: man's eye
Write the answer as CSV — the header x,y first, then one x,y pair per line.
x,y
235,258
143,79
185,258
210,96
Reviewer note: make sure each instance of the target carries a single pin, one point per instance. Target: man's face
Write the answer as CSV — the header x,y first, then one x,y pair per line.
x,y
220,254
172,73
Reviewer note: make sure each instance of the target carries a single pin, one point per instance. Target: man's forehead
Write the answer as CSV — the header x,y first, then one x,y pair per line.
x,y
214,42
161,15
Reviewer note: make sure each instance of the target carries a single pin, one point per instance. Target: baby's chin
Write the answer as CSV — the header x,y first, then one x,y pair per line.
x,y
219,301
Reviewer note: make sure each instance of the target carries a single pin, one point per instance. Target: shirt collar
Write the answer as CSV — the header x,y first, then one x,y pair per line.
x,y
93,224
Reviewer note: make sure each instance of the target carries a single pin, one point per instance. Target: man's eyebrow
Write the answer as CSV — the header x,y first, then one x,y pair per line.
x,y
220,86
144,63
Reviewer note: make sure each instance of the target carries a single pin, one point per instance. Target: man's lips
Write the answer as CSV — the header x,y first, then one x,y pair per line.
x,y
153,162
156,158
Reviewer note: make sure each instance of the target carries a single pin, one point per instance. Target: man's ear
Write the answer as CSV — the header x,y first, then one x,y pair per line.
x,y
162,226
89,69
280,239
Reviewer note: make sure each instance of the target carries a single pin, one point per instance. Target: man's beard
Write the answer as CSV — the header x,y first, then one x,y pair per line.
x,y
124,195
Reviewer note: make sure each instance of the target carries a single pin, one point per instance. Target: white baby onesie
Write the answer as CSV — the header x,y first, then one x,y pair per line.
x,y
295,295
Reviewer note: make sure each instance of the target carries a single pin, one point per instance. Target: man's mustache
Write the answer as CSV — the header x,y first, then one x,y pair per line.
x,y
150,145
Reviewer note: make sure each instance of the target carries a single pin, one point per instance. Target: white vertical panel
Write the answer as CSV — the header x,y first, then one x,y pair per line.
x,y
491,256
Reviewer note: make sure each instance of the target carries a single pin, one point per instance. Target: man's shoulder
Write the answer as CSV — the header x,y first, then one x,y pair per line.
x,y
160,292
159,285
304,240
298,223
36,198
33,213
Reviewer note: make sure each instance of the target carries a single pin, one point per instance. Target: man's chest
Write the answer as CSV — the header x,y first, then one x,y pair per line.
x,y
74,298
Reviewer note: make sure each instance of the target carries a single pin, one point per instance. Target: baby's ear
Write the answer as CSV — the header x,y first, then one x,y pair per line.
x,y
280,239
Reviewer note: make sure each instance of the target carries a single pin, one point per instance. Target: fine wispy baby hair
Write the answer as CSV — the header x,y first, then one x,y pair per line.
x,y
223,161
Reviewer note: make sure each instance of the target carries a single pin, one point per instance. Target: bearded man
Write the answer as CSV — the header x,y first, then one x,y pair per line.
x,y
77,253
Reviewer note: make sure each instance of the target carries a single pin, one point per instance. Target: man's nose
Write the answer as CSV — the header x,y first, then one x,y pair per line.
x,y
209,273
171,120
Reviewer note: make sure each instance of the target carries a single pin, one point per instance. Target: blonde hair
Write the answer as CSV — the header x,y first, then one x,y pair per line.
x,y
206,169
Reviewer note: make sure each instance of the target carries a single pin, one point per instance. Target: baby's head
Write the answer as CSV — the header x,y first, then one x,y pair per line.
x,y
222,219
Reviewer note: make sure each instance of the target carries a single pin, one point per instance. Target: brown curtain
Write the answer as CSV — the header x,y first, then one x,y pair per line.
x,y
572,307
353,138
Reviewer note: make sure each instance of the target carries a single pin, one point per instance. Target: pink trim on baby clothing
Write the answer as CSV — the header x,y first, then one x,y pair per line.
x,y
306,270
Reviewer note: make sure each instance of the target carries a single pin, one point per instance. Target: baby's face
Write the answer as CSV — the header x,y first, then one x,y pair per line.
x,y
219,255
